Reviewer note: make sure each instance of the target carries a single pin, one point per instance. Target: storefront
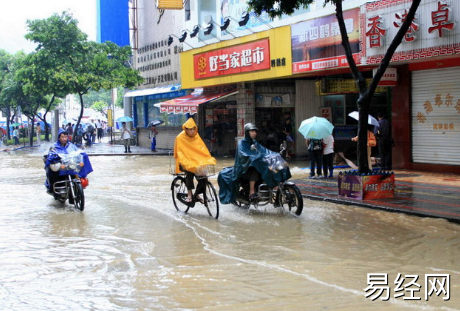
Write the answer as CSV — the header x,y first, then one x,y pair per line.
x,y
240,63
214,110
426,111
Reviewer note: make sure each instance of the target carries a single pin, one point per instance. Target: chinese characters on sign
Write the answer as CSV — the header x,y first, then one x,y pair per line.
x,y
440,20
236,59
317,43
430,34
408,286
438,102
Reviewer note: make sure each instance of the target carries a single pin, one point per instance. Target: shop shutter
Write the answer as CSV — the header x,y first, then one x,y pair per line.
x,y
436,116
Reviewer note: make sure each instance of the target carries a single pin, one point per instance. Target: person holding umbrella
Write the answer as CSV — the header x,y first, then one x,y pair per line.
x,y
126,137
153,137
16,136
371,142
314,130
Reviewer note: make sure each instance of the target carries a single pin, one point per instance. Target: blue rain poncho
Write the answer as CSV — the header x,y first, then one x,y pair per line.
x,y
250,154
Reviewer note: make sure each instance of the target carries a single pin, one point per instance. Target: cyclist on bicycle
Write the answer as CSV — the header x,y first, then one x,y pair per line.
x,y
190,153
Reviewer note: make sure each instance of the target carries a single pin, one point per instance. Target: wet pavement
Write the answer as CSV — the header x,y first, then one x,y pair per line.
x,y
419,193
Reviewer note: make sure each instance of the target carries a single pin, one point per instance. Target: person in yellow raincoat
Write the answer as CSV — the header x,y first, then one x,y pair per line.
x,y
190,153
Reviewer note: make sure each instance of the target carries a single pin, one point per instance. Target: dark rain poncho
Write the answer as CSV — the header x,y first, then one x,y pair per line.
x,y
258,157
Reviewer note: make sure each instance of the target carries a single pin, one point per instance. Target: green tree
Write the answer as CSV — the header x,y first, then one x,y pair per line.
x,y
5,62
40,82
11,93
93,97
81,65
277,8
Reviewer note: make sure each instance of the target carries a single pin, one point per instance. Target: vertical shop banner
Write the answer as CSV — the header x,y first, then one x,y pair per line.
x,y
434,31
241,58
317,43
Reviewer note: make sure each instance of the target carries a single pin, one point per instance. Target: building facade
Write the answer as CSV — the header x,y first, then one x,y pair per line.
x,y
294,67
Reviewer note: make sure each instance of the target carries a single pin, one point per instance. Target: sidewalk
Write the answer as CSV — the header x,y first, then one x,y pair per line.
x,y
417,193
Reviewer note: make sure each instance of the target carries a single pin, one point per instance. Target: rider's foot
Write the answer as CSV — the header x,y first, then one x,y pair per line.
x,y
188,199
199,199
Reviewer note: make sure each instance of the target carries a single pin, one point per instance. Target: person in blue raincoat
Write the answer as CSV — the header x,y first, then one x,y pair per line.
x,y
63,146
251,162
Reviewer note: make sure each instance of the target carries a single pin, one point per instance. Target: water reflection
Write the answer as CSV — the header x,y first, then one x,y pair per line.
x,y
131,250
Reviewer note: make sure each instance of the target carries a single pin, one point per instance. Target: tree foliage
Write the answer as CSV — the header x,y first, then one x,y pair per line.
x,y
76,65
276,8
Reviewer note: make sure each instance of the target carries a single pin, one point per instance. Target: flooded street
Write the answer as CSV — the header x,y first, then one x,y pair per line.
x,y
131,250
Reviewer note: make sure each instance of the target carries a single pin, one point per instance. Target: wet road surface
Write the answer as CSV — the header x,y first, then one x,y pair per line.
x,y
131,250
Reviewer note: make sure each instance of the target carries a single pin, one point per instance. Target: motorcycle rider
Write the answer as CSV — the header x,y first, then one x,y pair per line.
x,y
248,147
190,153
62,146
250,164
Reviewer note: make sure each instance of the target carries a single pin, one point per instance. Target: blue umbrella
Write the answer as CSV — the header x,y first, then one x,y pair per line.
x,y
125,119
316,128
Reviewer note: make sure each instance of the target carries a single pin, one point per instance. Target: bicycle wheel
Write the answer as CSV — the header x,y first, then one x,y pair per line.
x,y
211,200
79,199
292,199
179,193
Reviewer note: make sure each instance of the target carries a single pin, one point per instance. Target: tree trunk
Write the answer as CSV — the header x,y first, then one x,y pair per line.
x,y
79,117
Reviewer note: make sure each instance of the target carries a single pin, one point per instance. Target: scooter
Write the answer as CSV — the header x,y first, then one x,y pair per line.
x,y
63,181
284,195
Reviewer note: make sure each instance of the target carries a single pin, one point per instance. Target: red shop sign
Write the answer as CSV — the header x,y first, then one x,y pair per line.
x,y
236,59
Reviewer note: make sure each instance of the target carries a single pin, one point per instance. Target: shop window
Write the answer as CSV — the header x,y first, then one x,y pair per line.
x,y
337,105
140,114
154,113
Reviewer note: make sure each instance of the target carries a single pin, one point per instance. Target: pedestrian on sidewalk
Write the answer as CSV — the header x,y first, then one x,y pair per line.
x,y
315,152
328,156
383,134
100,130
288,141
16,136
153,138
2,136
69,130
371,142
126,137
39,130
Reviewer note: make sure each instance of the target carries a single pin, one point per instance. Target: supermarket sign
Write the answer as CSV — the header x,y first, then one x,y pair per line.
x,y
249,57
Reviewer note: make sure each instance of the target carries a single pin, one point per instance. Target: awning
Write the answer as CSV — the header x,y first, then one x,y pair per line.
x,y
189,104
156,90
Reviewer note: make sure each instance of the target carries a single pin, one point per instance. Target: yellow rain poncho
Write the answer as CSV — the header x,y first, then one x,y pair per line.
x,y
191,152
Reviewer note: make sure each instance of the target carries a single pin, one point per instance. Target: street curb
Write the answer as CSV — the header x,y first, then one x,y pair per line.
x,y
374,206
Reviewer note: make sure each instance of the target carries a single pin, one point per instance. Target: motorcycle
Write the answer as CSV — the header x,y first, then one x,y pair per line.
x,y
64,182
284,194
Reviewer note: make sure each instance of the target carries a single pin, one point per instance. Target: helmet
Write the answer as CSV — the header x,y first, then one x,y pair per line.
x,y
84,182
250,127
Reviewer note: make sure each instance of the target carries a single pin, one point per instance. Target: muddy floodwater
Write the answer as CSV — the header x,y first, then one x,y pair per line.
x,y
131,250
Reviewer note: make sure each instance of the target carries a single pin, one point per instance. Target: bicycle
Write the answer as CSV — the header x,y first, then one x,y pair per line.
x,y
209,196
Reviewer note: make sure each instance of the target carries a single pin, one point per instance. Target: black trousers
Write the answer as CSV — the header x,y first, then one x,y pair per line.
x,y
384,145
190,185
328,164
